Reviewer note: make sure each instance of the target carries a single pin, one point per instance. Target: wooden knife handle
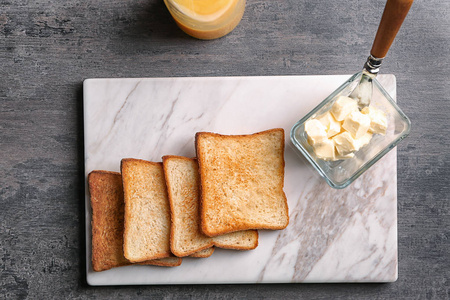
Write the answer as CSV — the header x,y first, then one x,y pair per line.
x,y
394,13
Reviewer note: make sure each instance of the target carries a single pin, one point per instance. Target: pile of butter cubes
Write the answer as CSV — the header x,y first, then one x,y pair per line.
x,y
343,130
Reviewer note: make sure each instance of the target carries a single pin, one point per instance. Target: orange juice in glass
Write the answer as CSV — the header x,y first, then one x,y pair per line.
x,y
206,19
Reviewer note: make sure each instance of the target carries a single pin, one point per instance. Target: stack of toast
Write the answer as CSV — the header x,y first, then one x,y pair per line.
x,y
155,213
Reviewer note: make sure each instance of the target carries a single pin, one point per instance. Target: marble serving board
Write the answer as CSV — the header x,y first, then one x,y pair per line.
x,y
347,235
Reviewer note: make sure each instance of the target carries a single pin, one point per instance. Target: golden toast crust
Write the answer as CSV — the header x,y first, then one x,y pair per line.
x,y
241,181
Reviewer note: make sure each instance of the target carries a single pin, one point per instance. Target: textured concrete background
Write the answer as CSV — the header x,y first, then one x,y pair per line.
x,y
48,47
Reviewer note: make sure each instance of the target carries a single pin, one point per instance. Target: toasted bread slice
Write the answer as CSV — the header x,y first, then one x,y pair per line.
x,y
186,238
147,212
164,262
203,253
238,240
242,180
107,220
107,204
181,177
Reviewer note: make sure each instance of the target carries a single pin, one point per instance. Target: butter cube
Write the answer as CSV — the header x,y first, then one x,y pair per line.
x,y
347,156
316,131
333,126
364,140
378,120
345,144
342,107
325,150
357,124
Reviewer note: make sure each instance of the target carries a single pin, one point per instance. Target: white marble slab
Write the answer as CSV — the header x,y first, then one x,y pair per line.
x,y
345,235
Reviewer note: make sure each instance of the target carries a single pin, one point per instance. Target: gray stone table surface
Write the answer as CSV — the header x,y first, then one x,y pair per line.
x,y
47,48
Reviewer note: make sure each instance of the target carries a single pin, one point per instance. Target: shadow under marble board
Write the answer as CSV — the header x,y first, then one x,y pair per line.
x,y
347,235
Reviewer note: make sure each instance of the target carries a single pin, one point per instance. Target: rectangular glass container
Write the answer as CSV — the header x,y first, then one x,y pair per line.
x,y
339,174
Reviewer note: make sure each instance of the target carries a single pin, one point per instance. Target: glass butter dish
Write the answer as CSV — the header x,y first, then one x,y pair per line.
x,y
339,174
